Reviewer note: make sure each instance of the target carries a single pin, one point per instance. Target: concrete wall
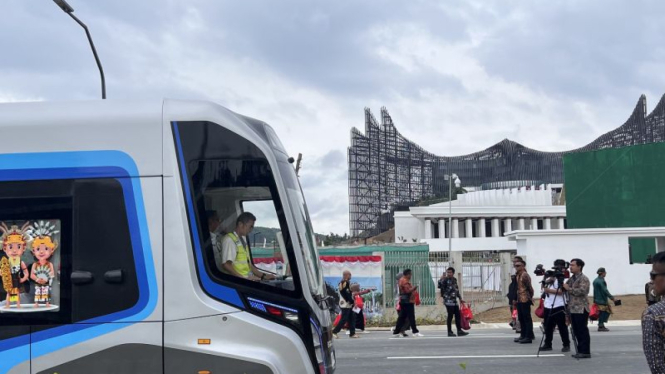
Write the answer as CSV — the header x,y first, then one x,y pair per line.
x,y
596,250
408,227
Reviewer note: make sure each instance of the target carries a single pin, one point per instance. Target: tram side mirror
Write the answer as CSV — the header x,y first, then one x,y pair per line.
x,y
113,276
80,277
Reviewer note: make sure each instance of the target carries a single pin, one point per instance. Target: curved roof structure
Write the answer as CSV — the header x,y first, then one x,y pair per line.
x,y
387,170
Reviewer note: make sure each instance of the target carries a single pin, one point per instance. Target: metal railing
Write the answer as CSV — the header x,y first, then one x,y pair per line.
x,y
396,262
481,283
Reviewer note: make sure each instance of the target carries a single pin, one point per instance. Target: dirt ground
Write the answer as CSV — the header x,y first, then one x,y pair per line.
x,y
631,309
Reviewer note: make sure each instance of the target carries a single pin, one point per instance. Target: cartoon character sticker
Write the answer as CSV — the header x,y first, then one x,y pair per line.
x,y
42,272
14,271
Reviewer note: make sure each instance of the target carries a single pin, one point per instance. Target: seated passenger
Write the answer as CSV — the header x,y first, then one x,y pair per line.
x,y
214,227
235,251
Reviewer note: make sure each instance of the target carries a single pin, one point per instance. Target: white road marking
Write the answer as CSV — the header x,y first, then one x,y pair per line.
x,y
481,356
452,337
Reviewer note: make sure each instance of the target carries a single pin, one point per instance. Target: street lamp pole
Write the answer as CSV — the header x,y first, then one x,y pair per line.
x,y
451,179
254,237
69,10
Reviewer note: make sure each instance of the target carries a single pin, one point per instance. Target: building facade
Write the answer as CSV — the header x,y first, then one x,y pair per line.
x,y
388,172
479,220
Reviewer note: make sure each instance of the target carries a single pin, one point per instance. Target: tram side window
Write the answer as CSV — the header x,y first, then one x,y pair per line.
x,y
62,244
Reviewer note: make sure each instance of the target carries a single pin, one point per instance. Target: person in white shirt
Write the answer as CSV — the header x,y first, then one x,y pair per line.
x,y
555,314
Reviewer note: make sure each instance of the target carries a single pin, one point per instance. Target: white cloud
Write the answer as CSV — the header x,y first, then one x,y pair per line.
x,y
456,78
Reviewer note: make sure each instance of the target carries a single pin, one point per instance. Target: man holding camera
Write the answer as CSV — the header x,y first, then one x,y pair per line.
x,y
555,305
578,305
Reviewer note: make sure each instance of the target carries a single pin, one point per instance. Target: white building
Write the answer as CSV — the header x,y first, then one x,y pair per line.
x,y
480,218
607,247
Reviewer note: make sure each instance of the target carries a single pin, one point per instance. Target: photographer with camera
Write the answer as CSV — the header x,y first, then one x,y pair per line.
x,y
555,306
577,288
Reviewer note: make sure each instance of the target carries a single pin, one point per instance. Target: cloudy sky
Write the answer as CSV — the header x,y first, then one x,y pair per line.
x,y
456,76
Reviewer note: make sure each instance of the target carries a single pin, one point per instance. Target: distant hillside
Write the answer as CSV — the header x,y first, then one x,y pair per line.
x,y
260,233
269,234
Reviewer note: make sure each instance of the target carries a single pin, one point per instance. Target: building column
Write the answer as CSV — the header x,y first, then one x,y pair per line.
x,y
508,224
547,223
561,224
428,229
455,228
534,223
469,228
506,267
520,224
443,224
495,227
481,228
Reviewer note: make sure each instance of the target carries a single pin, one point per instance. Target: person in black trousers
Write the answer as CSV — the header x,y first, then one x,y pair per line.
x,y
406,305
578,306
555,313
524,302
450,293
512,302
346,304
357,298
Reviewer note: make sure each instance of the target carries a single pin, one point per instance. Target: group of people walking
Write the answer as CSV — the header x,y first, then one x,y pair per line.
x,y
351,312
406,300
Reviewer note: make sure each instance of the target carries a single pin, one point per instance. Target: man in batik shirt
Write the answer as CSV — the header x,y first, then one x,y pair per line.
x,y
578,306
653,320
524,302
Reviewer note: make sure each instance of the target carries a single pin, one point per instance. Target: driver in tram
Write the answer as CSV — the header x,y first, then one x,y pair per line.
x,y
235,251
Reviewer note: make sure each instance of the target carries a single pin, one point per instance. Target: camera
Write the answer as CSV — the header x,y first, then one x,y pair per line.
x,y
558,271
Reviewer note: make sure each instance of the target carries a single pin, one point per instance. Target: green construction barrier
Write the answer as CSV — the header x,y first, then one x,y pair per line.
x,y
620,187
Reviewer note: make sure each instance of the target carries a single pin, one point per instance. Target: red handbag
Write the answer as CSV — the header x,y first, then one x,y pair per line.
x,y
466,312
417,298
594,313
540,311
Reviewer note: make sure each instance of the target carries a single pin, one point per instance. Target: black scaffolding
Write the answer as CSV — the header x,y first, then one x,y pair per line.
x,y
388,172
